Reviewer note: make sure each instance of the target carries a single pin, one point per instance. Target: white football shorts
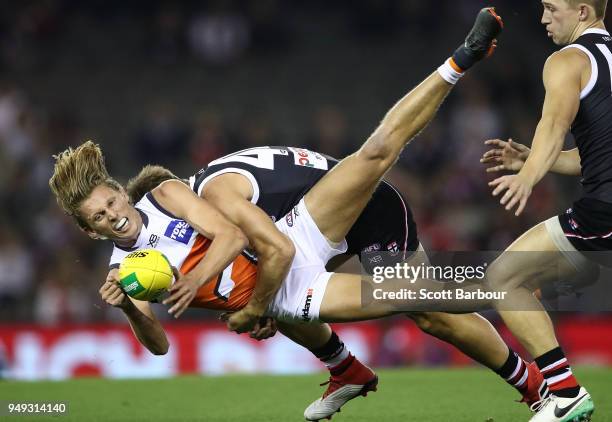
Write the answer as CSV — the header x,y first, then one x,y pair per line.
x,y
301,293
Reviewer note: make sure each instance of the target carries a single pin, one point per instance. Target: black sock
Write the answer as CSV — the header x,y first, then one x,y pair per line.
x,y
332,353
514,370
558,373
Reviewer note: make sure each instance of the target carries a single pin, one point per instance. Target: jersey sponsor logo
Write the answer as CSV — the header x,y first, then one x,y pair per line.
x,y
179,230
393,248
573,224
376,259
289,218
307,158
306,308
372,248
153,241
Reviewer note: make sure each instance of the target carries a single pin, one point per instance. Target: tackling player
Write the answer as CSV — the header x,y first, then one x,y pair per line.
x,y
578,98
174,220
237,181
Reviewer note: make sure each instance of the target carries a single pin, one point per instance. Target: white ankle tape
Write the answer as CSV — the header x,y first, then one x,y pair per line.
x,y
448,73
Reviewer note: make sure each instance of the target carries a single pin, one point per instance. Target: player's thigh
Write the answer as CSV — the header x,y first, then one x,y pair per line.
x,y
336,201
343,300
530,261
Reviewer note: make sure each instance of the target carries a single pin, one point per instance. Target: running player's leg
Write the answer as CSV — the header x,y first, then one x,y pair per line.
x,y
470,333
534,260
336,201
477,338
530,262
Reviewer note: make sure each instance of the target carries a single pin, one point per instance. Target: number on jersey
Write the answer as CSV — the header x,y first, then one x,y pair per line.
x,y
261,157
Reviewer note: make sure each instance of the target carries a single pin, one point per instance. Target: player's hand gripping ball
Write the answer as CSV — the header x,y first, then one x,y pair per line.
x,y
145,274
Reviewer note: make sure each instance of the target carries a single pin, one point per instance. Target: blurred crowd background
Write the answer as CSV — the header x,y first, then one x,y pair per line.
x,y
182,83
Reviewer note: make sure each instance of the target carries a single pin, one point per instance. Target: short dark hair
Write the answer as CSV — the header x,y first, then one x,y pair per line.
x,y
148,179
598,5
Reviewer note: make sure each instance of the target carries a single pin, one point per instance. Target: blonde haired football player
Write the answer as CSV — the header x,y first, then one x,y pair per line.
x,y
181,224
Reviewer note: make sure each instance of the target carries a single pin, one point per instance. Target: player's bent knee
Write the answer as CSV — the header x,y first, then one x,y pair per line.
x,y
501,277
378,149
430,322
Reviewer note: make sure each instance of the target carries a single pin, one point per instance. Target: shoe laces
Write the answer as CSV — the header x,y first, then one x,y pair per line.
x,y
334,384
540,404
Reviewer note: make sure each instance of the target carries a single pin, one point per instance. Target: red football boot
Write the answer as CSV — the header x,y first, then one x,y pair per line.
x,y
356,380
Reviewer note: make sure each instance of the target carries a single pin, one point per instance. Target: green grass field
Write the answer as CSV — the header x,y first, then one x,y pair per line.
x,y
469,395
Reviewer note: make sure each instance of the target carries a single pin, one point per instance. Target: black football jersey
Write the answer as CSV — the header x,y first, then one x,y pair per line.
x,y
281,176
592,128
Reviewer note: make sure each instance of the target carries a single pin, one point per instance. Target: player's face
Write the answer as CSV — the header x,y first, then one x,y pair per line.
x,y
560,20
110,215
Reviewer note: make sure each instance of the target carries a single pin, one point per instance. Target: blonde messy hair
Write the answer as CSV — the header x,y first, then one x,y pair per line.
x,y
76,174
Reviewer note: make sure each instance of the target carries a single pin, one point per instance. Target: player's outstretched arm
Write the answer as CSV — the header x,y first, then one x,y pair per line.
x,y
511,156
562,80
275,251
145,325
227,240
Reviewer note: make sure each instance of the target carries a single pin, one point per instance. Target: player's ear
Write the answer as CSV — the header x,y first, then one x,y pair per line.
x,y
583,12
91,233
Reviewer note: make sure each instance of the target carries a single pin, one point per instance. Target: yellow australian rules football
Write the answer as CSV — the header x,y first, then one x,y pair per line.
x,y
145,274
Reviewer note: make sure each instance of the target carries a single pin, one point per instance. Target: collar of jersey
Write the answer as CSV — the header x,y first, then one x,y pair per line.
x,y
141,235
596,31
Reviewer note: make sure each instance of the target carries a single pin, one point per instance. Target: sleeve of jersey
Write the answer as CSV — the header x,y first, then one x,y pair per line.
x,y
116,258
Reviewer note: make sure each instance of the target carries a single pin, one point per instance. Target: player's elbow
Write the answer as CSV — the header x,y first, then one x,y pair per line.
x,y
240,238
284,250
235,236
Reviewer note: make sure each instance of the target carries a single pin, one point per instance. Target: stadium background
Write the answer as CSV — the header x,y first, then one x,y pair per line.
x,y
181,83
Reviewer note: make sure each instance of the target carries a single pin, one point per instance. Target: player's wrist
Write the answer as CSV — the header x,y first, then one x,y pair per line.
x,y
127,306
528,176
255,310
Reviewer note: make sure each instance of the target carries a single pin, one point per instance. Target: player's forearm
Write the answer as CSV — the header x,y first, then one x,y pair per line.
x,y
545,150
149,332
568,163
224,248
272,268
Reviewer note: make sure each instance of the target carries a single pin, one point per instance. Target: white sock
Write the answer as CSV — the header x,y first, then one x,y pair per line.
x,y
448,72
337,359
